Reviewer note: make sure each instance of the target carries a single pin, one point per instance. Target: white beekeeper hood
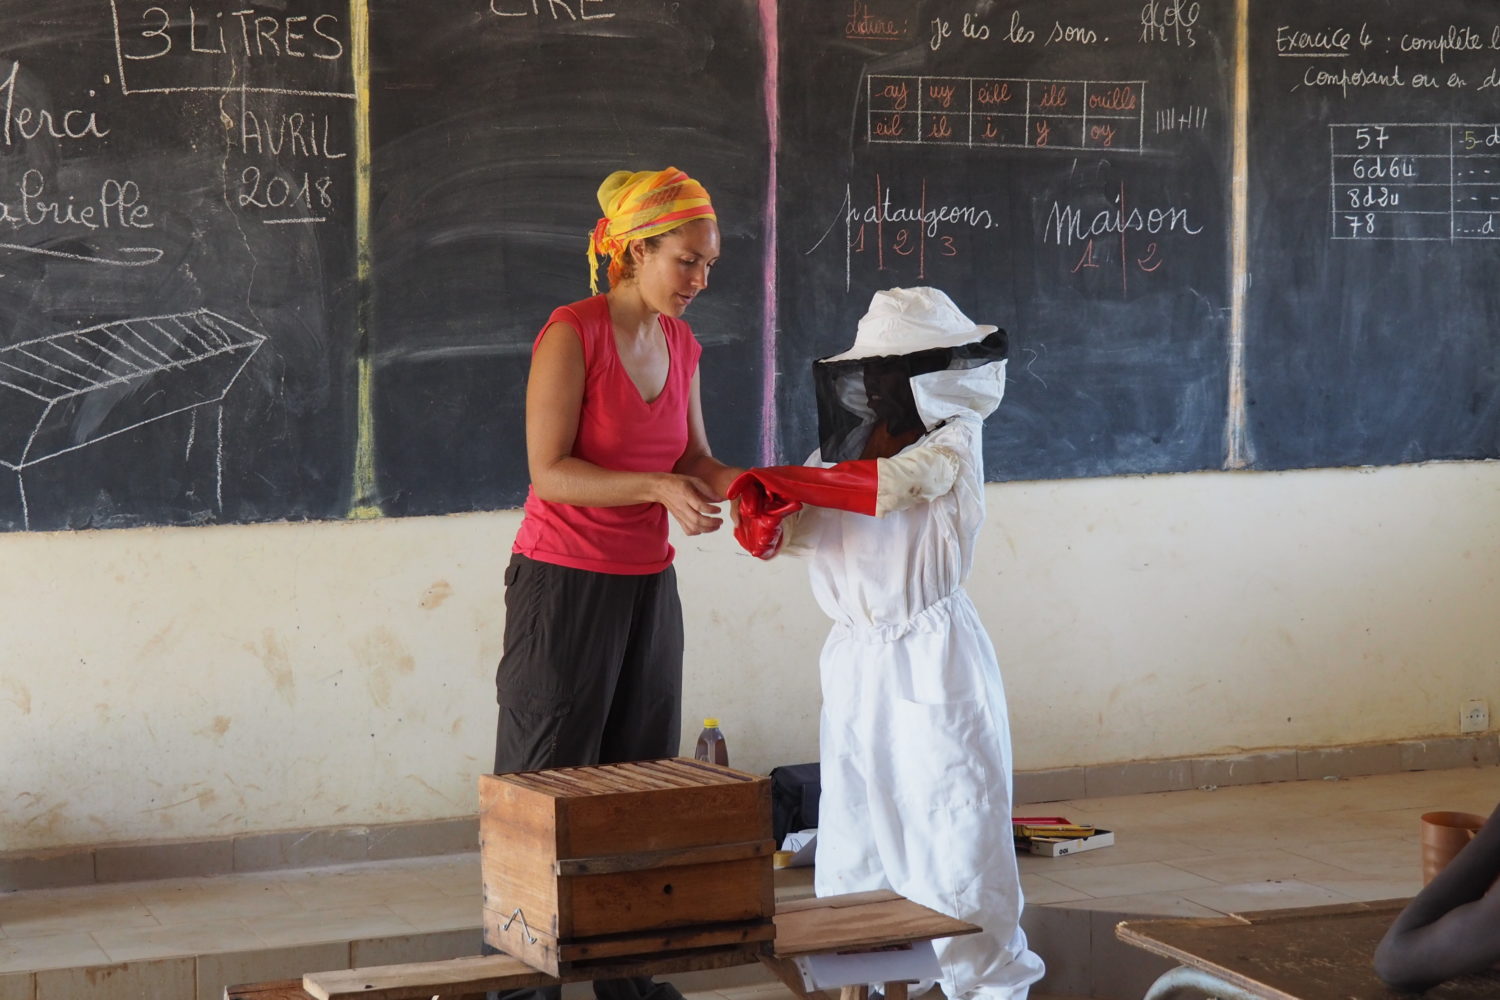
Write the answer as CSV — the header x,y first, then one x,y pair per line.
x,y
905,320
916,360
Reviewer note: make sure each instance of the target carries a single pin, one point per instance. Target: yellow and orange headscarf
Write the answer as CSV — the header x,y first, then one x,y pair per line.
x,y
638,206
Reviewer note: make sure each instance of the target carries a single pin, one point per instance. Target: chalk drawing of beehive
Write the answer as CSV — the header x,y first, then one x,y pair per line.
x,y
70,390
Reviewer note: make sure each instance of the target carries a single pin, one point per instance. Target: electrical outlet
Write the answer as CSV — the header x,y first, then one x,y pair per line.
x,y
1474,717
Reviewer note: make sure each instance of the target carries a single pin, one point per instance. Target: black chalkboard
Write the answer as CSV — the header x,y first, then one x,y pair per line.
x,y
1061,170
493,124
1375,181
286,259
176,262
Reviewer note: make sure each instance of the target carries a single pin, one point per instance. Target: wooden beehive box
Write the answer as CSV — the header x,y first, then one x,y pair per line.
x,y
588,864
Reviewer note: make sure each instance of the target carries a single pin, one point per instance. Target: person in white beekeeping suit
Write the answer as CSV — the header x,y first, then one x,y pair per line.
x,y
914,736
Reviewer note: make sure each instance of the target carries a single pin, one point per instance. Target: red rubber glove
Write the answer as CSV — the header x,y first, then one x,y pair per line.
x,y
758,529
850,486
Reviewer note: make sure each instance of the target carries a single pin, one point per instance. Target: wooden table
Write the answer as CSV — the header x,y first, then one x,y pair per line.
x,y
859,921
1312,953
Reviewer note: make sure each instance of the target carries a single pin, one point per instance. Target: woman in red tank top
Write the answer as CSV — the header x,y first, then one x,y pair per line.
x,y
592,667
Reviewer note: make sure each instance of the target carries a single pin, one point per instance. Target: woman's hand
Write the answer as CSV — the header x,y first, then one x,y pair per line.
x,y
690,501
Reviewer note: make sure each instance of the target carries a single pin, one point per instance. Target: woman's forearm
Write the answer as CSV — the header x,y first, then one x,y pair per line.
x,y
715,473
583,484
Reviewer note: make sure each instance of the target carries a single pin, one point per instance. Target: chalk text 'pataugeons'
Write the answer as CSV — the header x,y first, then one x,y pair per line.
x,y
929,217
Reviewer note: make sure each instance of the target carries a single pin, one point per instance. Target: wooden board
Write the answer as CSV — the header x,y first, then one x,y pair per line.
x,y
646,860
281,989
665,965
661,943
684,896
803,927
557,958
451,978
857,921
291,989
457,978
1311,953
612,809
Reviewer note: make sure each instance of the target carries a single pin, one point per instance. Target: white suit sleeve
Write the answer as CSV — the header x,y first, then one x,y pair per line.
x,y
795,534
799,531
919,475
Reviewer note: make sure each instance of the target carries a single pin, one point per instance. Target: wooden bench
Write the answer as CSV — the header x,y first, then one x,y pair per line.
x,y
1312,953
856,922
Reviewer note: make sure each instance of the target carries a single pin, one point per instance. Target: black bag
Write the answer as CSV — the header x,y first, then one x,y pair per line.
x,y
794,798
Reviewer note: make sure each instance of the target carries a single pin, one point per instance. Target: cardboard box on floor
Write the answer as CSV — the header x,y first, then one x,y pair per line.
x,y
1056,847
1055,837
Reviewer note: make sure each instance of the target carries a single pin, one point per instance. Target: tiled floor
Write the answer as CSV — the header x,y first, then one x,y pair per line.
x,y
1207,852
1196,853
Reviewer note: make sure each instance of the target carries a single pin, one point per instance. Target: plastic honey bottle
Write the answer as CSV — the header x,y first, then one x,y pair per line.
x,y
711,745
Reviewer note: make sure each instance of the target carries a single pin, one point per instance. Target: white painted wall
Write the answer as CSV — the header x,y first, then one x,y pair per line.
x,y
190,683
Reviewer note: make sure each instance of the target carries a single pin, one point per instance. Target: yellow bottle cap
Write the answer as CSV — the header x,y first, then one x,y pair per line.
x,y
710,723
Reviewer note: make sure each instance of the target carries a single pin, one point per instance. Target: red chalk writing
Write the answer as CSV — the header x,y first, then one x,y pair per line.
x,y
1006,112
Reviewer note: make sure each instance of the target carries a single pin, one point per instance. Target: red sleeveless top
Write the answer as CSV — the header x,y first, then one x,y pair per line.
x,y
617,429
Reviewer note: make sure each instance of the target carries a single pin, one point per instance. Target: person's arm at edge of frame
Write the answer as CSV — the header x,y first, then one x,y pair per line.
x,y
554,399
697,461
1452,927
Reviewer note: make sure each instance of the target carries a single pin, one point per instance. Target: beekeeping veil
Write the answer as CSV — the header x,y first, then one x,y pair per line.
x,y
891,375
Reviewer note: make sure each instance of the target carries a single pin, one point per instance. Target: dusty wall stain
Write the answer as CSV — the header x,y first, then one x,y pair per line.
x,y
158,643
19,695
218,727
276,662
435,595
384,655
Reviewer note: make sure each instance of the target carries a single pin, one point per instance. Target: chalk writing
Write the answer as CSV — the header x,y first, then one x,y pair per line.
x,y
1068,224
260,35
279,173
65,218
1358,79
23,122
1458,38
116,205
927,217
309,134
1101,230
123,257
1414,182
1172,22
1193,117
941,29
865,24
296,193
1334,41
1015,31
556,10
1411,60
1068,33
1343,40
996,112
174,46
907,233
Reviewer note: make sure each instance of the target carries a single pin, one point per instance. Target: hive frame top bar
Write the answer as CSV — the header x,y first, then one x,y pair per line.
x,y
635,776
